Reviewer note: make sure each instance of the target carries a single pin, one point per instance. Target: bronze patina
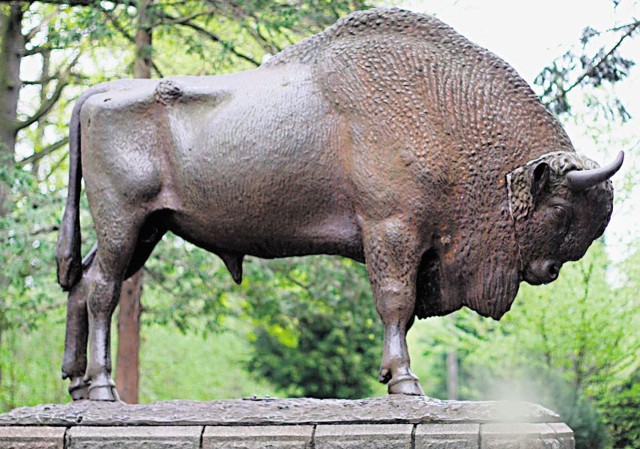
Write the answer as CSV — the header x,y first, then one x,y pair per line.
x,y
387,138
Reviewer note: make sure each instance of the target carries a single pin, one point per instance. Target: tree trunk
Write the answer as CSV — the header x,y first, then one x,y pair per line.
x,y
127,364
44,91
452,374
128,355
144,50
11,50
1,374
11,47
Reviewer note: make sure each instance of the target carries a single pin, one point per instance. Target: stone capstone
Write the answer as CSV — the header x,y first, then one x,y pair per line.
x,y
388,422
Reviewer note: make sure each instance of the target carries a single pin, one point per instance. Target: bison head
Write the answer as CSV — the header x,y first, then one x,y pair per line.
x,y
559,203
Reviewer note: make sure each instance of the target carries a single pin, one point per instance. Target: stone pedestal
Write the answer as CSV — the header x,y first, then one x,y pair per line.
x,y
385,423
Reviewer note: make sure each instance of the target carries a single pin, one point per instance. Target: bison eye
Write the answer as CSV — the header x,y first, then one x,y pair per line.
x,y
560,213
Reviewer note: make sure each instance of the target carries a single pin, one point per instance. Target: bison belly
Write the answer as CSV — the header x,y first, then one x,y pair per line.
x,y
261,172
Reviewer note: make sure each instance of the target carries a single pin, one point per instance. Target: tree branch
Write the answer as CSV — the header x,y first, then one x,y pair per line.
x,y
36,29
39,50
45,79
266,44
157,69
44,152
119,28
54,167
44,107
52,100
626,25
189,18
237,10
65,2
160,281
593,67
212,36
287,275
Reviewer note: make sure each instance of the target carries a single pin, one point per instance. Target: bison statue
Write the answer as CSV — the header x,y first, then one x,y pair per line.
x,y
388,138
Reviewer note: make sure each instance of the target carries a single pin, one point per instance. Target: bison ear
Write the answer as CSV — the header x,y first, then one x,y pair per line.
x,y
539,180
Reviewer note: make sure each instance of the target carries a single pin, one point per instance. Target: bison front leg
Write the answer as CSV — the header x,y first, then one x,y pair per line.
x,y
392,253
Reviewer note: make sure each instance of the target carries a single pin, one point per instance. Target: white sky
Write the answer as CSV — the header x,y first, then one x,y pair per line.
x,y
529,35
526,34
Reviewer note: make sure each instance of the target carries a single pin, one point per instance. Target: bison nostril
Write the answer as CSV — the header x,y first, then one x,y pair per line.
x,y
553,268
542,271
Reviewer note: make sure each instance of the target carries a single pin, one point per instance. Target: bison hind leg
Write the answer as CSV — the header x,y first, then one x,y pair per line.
x,y
74,363
123,245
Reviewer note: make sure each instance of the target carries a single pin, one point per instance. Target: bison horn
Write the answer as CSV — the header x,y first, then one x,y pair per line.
x,y
583,179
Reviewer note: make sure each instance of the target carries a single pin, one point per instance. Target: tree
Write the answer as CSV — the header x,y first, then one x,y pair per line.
x,y
316,330
17,44
17,41
10,51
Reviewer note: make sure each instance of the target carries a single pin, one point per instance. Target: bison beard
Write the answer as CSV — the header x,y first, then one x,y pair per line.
x,y
490,290
477,266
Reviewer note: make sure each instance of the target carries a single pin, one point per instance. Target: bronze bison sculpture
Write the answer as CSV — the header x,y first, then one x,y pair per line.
x,y
387,138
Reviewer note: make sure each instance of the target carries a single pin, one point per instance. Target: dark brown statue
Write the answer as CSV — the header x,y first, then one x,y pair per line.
x,y
388,138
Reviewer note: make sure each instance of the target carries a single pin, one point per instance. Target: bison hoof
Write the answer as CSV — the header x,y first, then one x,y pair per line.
x,y
78,389
405,385
103,393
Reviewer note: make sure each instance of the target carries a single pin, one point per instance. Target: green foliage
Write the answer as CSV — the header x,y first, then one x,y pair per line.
x,y
28,237
173,365
577,325
620,408
187,287
317,332
546,386
462,332
29,294
30,361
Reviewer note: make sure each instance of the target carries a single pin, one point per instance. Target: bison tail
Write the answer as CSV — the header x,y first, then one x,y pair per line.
x,y
68,258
